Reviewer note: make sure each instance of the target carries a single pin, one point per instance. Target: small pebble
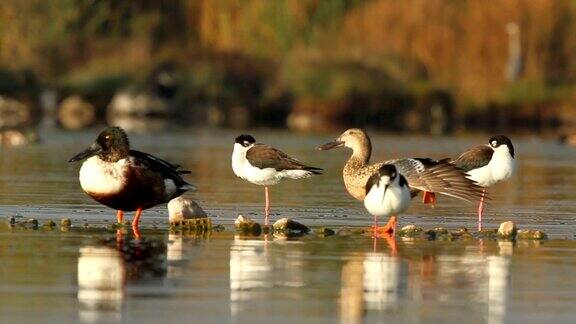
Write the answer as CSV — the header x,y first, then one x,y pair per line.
x,y
11,220
246,225
65,222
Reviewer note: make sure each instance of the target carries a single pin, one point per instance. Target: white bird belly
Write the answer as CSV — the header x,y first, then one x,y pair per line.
x,y
396,200
99,177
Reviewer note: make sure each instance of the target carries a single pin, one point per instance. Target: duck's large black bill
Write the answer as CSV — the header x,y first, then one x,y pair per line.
x,y
91,151
330,145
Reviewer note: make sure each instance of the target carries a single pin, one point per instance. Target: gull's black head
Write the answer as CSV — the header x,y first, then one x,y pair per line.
x,y
111,145
245,140
498,140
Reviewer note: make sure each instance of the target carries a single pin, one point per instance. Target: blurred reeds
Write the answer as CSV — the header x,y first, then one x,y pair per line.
x,y
342,59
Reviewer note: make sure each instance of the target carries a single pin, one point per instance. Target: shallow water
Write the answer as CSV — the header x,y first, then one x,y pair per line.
x,y
49,275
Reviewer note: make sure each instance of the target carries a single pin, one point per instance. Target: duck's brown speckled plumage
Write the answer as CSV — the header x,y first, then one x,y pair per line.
x,y
422,174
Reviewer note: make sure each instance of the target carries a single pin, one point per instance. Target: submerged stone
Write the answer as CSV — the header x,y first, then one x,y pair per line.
x,y
324,231
462,234
507,230
289,226
344,231
488,233
410,231
246,225
530,234
440,234
49,223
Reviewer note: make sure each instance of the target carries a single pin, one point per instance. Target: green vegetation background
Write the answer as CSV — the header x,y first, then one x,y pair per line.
x,y
314,51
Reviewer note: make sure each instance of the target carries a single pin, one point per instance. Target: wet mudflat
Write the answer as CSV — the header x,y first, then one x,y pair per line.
x,y
94,274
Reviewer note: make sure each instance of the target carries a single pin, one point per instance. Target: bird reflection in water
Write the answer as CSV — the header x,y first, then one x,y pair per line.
x,y
258,270
498,270
373,281
106,267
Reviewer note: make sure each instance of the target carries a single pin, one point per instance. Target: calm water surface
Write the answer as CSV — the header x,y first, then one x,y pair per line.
x,y
95,275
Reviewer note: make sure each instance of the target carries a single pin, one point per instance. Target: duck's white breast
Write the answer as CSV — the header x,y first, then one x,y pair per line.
x,y
99,177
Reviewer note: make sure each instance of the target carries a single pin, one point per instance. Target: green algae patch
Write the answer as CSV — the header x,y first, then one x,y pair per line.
x,y
488,234
530,234
411,231
349,231
195,225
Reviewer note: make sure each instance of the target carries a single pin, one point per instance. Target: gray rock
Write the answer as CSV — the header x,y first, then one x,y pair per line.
x,y
180,209
507,230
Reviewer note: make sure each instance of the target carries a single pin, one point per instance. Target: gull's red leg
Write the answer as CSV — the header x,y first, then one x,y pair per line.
x,y
481,209
267,208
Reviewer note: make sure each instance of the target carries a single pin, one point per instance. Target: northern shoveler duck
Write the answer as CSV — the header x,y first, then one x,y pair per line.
x,y
387,194
266,166
423,174
125,179
487,165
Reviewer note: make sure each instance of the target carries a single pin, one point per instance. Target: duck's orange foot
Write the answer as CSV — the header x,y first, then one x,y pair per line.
x,y
429,198
388,229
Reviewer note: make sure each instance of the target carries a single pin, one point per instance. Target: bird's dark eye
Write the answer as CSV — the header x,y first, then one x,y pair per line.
x,y
246,143
494,143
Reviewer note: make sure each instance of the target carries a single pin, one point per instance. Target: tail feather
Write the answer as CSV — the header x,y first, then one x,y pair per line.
x,y
314,170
